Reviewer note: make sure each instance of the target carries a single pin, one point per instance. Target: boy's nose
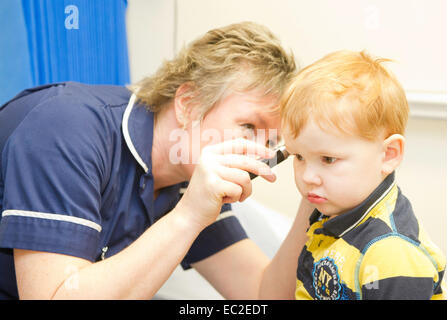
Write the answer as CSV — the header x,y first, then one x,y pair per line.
x,y
311,176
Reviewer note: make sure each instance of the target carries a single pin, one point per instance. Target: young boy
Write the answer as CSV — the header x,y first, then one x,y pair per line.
x,y
344,119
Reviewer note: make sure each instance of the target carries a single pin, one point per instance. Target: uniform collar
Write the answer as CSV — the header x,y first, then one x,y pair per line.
x,y
340,225
137,126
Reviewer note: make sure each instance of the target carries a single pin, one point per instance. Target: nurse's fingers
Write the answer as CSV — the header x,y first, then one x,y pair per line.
x,y
248,164
239,177
241,146
230,192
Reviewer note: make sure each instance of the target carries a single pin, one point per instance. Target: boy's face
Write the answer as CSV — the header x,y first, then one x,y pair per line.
x,y
334,171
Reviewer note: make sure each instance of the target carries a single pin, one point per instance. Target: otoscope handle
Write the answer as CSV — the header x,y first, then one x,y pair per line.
x,y
281,155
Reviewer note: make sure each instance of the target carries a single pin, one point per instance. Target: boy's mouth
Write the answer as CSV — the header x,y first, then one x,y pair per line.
x,y
314,198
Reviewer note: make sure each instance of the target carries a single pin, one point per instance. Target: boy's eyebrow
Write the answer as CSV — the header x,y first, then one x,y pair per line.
x,y
323,151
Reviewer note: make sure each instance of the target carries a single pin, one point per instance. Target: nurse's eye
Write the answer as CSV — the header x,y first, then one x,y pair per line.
x,y
328,160
271,144
248,126
249,130
299,157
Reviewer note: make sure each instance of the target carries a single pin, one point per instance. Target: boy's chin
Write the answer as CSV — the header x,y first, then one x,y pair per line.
x,y
328,211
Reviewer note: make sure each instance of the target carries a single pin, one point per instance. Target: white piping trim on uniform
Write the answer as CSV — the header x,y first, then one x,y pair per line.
x,y
127,135
182,190
52,216
369,209
224,215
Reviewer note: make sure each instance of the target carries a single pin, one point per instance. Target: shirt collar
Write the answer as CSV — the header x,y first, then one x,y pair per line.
x,y
137,126
340,225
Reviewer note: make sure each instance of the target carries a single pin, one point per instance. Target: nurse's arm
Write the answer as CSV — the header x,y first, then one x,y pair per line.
x,y
136,272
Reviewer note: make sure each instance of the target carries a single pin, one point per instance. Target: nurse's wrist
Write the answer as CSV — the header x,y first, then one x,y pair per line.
x,y
185,219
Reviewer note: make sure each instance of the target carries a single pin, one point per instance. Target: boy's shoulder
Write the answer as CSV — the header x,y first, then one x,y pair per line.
x,y
391,225
391,218
395,248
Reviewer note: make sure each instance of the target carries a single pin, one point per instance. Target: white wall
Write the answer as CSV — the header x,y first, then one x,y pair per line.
x,y
410,32
150,35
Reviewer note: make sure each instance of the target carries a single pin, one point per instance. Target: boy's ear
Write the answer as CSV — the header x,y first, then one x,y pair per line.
x,y
393,150
182,106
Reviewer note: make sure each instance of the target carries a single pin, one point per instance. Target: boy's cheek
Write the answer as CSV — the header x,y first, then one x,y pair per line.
x,y
299,184
296,172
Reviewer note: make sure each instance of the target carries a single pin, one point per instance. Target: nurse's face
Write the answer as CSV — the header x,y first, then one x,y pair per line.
x,y
238,115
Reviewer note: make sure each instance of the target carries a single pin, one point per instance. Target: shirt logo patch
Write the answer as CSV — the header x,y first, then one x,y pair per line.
x,y
326,280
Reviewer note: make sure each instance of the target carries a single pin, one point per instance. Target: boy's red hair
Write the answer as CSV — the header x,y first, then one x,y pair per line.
x,y
350,91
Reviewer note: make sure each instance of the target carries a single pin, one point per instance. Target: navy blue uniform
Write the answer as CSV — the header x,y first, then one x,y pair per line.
x,y
76,178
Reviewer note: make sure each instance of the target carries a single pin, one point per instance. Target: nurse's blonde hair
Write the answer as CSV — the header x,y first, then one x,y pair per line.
x,y
350,91
238,57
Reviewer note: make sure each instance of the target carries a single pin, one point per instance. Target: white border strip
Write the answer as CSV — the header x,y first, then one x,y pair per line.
x,y
438,98
127,135
52,216
428,105
369,209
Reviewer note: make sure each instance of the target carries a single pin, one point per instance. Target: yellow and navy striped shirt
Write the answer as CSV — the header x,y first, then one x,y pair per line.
x,y
377,250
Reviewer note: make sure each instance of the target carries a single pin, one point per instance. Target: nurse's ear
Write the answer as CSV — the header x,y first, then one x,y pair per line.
x,y
393,153
184,110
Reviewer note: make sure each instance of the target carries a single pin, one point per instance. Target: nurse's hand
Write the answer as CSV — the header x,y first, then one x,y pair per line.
x,y
222,176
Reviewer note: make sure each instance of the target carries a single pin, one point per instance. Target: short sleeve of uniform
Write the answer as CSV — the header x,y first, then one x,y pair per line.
x,y
226,231
53,168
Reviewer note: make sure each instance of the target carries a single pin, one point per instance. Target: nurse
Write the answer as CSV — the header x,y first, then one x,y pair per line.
x,y
104,190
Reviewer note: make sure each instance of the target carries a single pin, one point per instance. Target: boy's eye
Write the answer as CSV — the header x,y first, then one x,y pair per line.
x,y
299,157
328,160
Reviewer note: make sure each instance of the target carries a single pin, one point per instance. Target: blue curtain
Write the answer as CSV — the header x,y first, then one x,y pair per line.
x,y
62,40
15,71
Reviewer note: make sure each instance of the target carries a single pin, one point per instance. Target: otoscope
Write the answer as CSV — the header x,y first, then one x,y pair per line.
x,y
280,156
